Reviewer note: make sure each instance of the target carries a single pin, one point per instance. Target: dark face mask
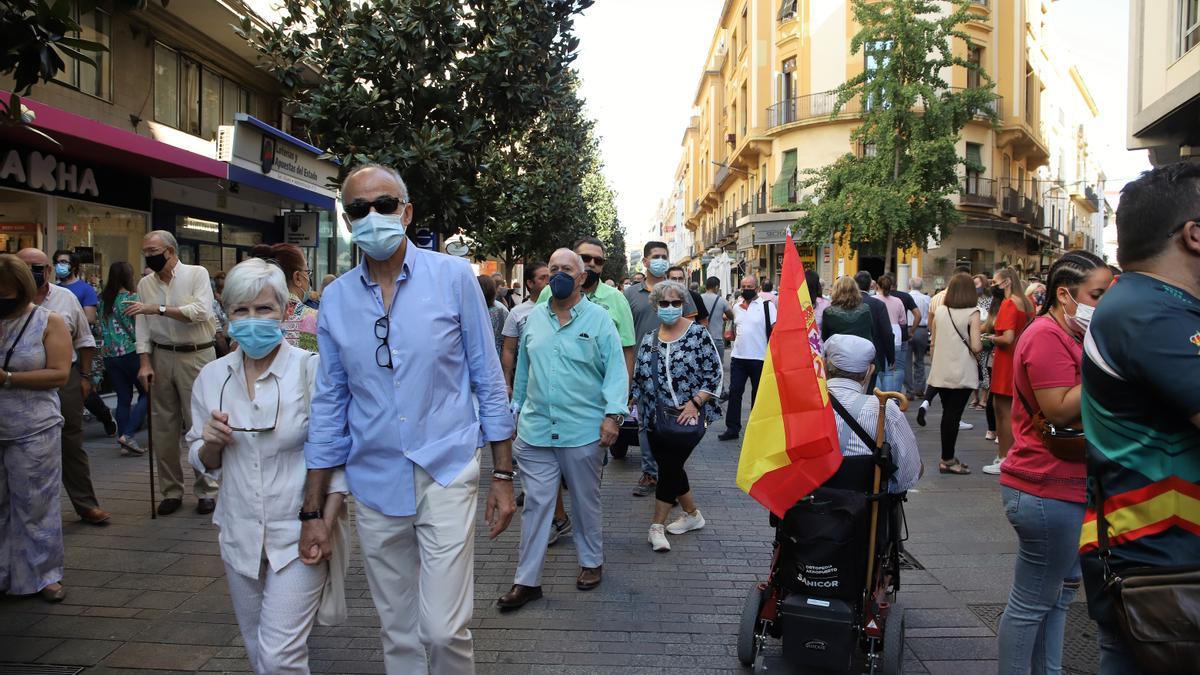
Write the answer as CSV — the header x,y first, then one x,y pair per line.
x,y
39,276
749,294
561,285
593,278
8,307
997,292
156,262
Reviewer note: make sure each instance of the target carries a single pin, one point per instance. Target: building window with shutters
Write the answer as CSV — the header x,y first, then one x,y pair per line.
x,y
1189,26
975,168
975,58
785,190
93,80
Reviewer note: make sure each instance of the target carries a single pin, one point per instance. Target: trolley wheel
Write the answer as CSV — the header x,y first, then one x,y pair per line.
x,y
619,450
893,642
747,644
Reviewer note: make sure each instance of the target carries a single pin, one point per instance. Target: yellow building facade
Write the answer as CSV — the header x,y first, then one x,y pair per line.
x,y
762,117
1164,79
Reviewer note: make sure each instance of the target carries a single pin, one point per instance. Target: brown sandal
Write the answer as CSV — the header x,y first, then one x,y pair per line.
x,y
955,467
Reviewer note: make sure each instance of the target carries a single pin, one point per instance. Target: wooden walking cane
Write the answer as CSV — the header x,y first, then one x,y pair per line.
x,y
150,453
880,439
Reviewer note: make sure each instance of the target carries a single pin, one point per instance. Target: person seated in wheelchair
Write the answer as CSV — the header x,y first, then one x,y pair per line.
x,y
849,365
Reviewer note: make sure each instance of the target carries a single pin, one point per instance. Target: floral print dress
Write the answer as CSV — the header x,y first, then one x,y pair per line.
x,y
686,366
116,330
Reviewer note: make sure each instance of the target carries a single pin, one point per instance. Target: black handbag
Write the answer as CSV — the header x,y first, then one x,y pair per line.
x,y
666,417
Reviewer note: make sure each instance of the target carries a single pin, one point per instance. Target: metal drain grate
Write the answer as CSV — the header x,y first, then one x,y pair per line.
x,y
38,669
1081,647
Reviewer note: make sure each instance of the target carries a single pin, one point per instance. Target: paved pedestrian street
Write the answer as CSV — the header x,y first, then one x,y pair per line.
x,y
149,595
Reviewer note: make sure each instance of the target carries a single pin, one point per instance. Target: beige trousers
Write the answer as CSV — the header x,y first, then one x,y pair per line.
x,y
171,416
420,570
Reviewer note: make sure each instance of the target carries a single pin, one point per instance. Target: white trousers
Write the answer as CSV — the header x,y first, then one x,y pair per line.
x,y
275,612
541,470
420,570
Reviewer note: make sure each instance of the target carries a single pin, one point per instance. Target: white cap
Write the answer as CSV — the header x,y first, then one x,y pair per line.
x,y
849,353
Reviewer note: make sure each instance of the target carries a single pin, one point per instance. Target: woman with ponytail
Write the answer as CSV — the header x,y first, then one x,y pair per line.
x,y
1044,496
1013,317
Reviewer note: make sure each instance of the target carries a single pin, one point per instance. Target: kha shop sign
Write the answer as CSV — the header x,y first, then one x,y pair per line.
x,y
50,174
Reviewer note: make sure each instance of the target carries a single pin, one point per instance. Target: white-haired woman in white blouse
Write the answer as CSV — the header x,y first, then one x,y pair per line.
x,y
249,425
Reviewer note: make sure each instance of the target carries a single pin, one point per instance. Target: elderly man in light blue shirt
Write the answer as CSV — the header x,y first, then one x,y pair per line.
x,y
406,350
569,351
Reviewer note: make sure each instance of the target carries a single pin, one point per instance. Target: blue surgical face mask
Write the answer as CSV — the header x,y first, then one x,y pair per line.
x,y
658,267
378,235
256,337
561,285
62,270
669,315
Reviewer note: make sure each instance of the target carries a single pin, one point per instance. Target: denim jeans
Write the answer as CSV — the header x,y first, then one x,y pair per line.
x,y
893,378
916,375
1115,657
649,465
122,375
1045,581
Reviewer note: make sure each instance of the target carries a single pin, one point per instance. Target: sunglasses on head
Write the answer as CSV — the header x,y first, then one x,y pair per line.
x,y
589,259
670,303
384,205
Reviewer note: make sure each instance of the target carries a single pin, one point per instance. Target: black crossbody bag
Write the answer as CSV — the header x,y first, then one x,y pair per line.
x,y
666,417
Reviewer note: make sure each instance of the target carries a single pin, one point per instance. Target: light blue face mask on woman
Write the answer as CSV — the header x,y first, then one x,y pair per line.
x,y
669,315
379,235
256,337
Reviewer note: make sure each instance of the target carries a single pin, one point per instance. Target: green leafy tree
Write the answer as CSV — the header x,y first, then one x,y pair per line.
x,y
897,194
602,212
436,88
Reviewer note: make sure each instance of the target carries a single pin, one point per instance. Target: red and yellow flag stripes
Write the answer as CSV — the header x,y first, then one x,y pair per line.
x,y
791,443
1159,506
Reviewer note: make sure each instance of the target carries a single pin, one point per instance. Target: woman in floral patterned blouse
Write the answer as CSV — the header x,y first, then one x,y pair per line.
x,y
687,376
299,320
119,351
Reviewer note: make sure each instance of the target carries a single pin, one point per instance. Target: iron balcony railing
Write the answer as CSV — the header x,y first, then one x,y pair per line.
x,y
821,105
977,191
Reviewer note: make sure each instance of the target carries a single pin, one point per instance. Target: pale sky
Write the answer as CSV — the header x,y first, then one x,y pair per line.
x,y
640,62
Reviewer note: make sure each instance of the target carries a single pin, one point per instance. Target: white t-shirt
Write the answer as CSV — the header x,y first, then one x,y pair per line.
x,y
751,339
515,322
922,301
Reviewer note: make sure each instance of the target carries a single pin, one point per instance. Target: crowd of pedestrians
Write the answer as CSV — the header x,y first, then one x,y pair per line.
x,y
320,397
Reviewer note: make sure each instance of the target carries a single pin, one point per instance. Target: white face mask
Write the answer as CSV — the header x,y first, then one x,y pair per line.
x,y
1082,317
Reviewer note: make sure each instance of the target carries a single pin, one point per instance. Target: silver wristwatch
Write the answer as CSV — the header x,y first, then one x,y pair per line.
x,y
619,419
7,379
162,310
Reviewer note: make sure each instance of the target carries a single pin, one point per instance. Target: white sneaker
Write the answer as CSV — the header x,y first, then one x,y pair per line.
x,y
686,523
965,426
993,469
658,539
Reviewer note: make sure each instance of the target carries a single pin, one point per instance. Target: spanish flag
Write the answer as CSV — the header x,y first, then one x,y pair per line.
x,y
791,442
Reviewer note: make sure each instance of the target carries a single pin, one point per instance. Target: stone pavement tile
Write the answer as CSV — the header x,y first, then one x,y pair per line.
x,y
96,578
188,633
14,618
99,538
219,665
21,649
355,667
960,649
161,582
158,600
112,611
941,618
1004,561
957,631
118,561
95,628
80,652
198,566
99,597
160,656
960,667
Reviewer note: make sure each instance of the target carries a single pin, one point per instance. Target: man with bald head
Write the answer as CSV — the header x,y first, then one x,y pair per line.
x,y
407,348
569,351
175,329
753,319
76,470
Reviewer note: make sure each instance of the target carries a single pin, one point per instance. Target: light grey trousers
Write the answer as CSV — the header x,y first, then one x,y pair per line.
x,y
541,469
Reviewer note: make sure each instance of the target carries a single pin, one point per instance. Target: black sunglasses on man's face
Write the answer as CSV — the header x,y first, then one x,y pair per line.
x,y
385,205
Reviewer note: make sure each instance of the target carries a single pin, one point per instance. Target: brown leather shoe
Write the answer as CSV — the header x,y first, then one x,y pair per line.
x,y
519,596
169,505
94,516
53,593
589,578
204,506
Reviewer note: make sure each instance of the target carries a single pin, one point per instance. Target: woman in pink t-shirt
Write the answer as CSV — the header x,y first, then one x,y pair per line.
x,y
1044,497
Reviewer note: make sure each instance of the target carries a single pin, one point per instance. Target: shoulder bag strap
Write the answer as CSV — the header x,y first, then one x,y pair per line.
x,y
17,340
851,422
713,308
1024,401
767,318
957,329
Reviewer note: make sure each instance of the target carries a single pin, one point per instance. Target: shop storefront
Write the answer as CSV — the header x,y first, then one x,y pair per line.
x,y
89,190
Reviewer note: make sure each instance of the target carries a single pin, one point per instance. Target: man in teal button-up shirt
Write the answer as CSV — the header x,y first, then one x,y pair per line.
x,y
572,390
